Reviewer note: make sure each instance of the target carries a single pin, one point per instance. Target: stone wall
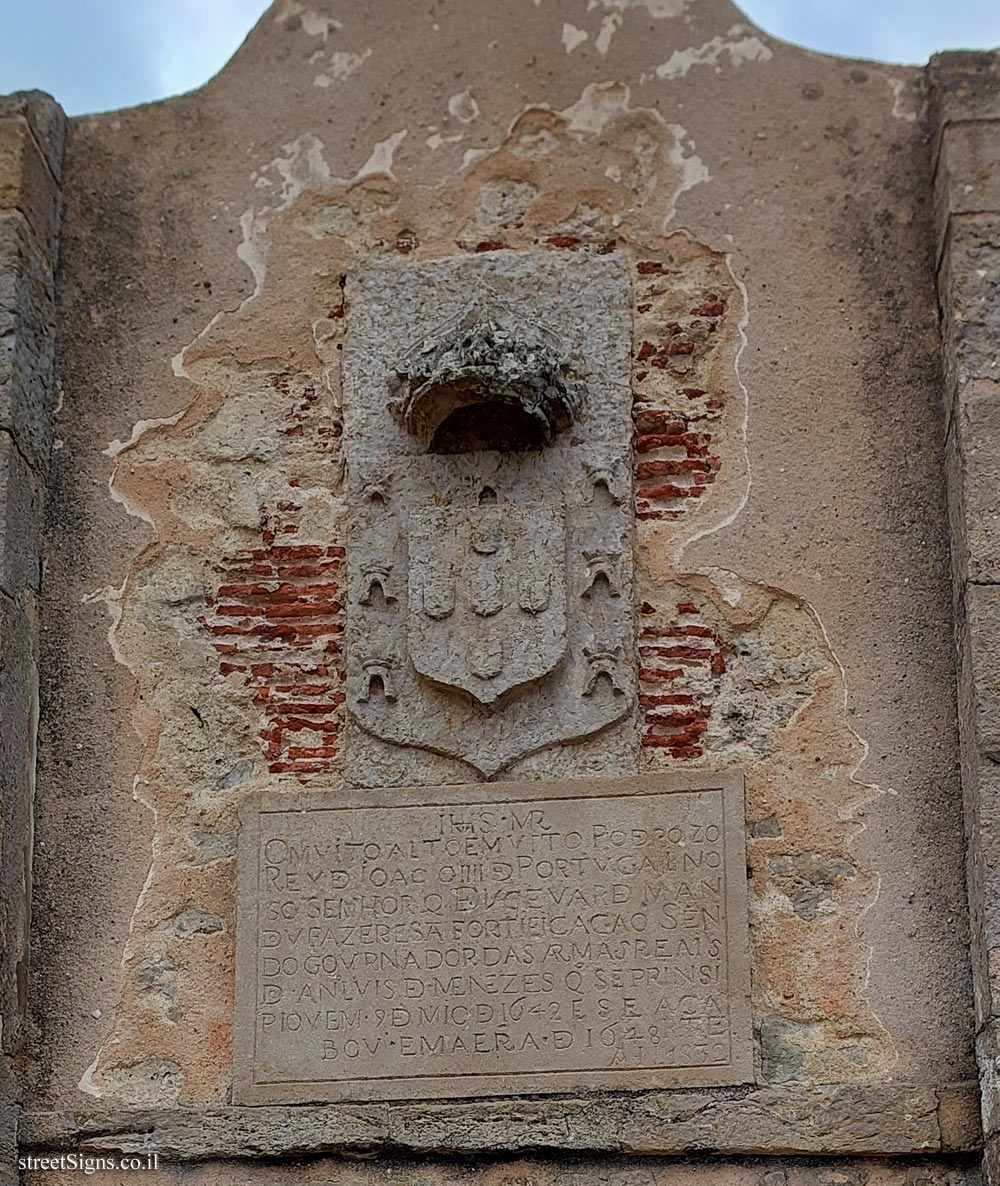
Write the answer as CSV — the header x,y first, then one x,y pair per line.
x,y
31,145
967,189
771,214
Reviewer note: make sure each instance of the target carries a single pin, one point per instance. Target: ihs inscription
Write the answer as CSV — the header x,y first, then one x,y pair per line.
x,y
587,934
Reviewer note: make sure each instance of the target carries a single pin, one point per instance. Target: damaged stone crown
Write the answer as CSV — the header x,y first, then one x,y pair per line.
x,y
486,381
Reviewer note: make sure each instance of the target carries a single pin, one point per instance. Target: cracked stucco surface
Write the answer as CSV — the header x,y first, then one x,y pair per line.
x,y
822,582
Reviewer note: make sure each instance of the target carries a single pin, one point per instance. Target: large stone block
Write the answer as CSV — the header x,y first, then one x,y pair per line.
x,y
26,339
490,552
20,514
970,298
977,437
26,181
982,607
47,122
965,85
19,714
897,1119
969,165
515,896
533,1170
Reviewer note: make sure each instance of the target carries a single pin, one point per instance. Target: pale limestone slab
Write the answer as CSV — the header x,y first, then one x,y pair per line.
x,y
501,939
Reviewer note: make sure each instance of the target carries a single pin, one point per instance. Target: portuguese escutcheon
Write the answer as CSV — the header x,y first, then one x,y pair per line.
x,y
487,440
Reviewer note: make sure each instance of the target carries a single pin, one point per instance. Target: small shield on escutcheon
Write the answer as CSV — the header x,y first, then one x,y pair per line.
x,y
505,622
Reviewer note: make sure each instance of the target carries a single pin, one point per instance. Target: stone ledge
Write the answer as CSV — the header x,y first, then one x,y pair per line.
x,y
26,182
27,320
968,287
974,454
46,120
982,610
964,85
967,178
886,1121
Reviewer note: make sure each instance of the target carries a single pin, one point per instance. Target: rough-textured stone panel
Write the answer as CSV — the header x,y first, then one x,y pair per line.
x,y
26,346
557,936
46,120
26,182
969,165
967,187
970,298
893,1120
982,607
965,85
31,139
20,500
977,433
537,1171
19,714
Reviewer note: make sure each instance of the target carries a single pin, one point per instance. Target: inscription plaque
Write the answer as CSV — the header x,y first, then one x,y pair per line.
x,y
492,940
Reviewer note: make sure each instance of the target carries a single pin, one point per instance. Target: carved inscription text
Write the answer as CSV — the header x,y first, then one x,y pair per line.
x,y
539,937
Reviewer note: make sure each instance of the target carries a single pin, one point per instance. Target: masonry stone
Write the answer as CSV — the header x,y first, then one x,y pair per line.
x,y
458,1005
490,589
498,601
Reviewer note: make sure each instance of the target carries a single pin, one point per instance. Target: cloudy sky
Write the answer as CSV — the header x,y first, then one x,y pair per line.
x,y
95,55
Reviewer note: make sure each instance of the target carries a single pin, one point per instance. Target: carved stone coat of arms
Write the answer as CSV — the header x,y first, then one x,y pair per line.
x,y
487,595
490,609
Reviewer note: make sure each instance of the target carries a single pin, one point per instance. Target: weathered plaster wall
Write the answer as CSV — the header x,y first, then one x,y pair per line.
x,y
792,544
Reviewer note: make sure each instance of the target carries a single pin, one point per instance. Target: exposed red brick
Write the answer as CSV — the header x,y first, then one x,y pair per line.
x,y
659,421
656,469
303,709
302,608
280,613
300,768
677,719
316,751
660,492
676,632
697,654
690,441
655,675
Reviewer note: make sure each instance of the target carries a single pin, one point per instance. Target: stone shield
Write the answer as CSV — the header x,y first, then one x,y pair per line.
x,y
487,595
